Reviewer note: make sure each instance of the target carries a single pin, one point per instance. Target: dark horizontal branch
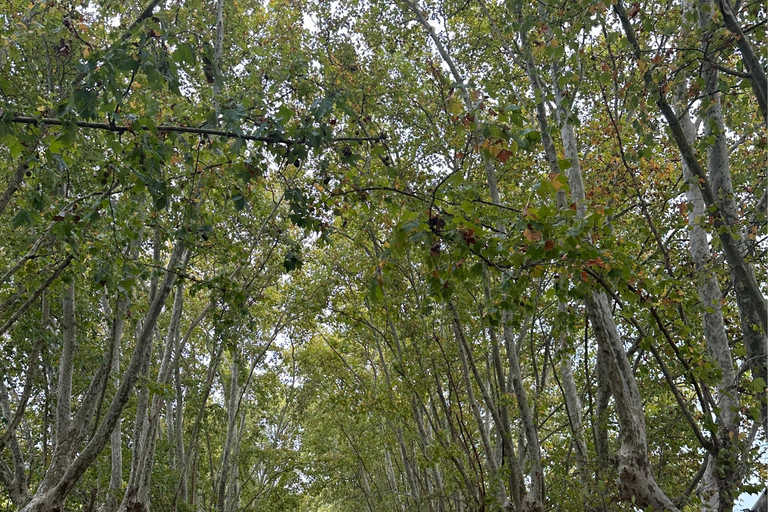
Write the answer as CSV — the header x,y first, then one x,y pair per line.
x,y
184,129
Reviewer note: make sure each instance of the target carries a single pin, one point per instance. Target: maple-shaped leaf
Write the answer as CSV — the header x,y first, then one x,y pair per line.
x,y
504,155
558,180
531,235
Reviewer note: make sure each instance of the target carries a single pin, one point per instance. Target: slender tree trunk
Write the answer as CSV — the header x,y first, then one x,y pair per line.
x,y
140,492
179,435
751,314
536,498
749,57
487,448
225,480
116,443
715,191
718,486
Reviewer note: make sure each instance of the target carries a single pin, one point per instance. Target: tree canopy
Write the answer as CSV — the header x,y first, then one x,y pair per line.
x,y
383,256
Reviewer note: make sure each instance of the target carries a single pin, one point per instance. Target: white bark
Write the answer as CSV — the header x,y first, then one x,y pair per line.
x,y
115,440
217,54
576,185
139,493
718,166
225,476
14,479
535,499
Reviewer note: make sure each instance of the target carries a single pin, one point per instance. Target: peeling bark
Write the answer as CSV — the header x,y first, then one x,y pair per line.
x,y
636,481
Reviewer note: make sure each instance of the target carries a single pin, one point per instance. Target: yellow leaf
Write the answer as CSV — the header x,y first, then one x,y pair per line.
x,y
454,107
495,148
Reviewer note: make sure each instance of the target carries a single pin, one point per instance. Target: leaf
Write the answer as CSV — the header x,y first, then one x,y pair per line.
x,y
84,101
454,107
532,235
13,145
495,148
375,291
23,218
558,181
292,261
184,54
284,114
504,155
239,201
321,108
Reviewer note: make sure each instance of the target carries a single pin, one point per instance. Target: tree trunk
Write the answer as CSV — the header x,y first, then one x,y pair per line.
x,y
636,480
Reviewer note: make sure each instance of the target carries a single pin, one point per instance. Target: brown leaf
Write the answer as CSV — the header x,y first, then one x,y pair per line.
x,y
531,235
504,155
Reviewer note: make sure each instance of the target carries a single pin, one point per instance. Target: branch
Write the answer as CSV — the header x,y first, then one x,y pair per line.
x,y
31,373
184,129
7,325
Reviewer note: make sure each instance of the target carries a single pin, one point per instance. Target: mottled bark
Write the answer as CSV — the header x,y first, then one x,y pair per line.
x,y
636,481
714,191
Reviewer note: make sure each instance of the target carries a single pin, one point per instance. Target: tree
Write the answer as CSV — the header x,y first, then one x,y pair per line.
x,y
382,256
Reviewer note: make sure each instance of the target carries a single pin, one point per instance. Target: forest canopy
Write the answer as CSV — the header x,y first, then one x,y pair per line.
x,y
383,256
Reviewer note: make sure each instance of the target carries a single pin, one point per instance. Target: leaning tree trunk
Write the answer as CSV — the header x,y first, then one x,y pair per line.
x,y
717,192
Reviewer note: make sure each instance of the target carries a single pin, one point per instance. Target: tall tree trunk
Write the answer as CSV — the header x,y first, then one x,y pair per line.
x,y
179,434
718,195
748,56
225,477
535,500
487,447
751,314
636,481
116,443
139,494
718,485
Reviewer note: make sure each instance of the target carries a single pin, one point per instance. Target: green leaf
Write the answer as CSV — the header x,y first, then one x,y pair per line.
x,y
23,218
239,201
13,145
564,163
185,54
84,102
292,261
